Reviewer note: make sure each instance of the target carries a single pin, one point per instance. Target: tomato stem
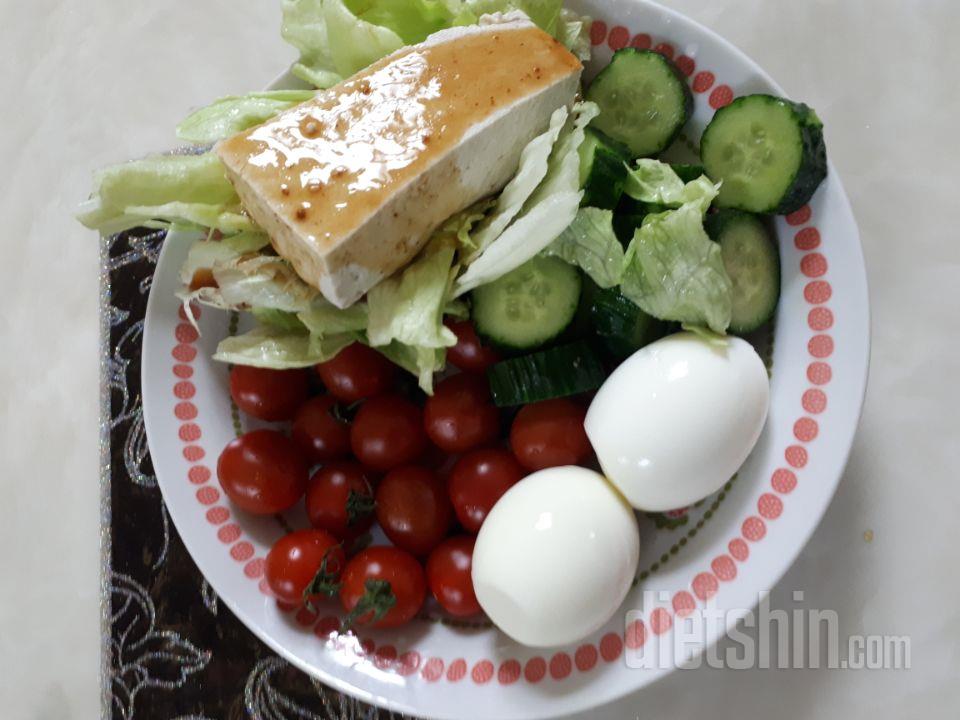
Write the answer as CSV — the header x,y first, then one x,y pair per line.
x,y
377,600
359,506
325,581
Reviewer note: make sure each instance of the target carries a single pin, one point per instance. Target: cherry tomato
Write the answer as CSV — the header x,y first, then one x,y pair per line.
x,y
478,480
382,587
387,432
356,372
340,500
448,575
460,415
319,432
469,354
295,561
550,433
270,395
263,472
413,509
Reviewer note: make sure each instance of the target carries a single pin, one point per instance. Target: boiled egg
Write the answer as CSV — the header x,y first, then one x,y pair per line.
x,y
555,557
675,421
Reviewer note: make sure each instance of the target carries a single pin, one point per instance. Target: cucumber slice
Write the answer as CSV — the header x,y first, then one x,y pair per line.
x,y
622,326
557,372
751,260
644,100
688,173
769,153
629,216
603,170
528,306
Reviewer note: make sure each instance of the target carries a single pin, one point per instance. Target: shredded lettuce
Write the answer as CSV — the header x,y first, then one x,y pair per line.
x,y
423,362
269,346
590,243
652,181
574,32
280,319
324,319
230,115
264,281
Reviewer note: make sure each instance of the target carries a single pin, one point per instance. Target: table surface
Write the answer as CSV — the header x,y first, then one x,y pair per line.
x,y
87,84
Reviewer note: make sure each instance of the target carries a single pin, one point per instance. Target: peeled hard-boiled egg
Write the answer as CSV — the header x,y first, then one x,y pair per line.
x,y
555,557
676,420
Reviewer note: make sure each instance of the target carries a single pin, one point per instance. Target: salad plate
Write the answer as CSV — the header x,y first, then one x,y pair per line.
x,y
723,551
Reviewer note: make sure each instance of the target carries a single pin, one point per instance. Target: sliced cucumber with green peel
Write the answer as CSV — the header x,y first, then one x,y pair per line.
x,y
768,152
622,326
603,170
629,216
528,306
686,172
557,372
644,101
751,260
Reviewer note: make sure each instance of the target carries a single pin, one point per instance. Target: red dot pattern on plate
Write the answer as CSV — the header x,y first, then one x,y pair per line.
x,y
641,41
208,495
796,456
739,549
724,568
535,669
254,568
820,319
703,81
660,621
194,308
457,670
635,635
753,529
610,647
184,353
705,585
686,65
509,672
618,38
819,373
560,666
185,411
264,587
817,292
184,390
585,658
217,515
384,657
367,646
807,239
193,453
665,49
799,217
814,401
805,429
183,371
683,603
598,31
229,533
813,265
770,506
189,432
327,626
482,672
820,346
186,333
305,616
242,551
721,96
408,663
432,669
198,474
783,481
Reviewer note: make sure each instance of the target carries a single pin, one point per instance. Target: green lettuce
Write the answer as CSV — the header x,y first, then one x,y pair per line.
x,y
270,346
280,319
590,243
655,182
324,319
230,115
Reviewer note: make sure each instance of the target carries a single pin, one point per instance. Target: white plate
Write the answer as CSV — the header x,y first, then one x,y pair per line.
x,y
728,550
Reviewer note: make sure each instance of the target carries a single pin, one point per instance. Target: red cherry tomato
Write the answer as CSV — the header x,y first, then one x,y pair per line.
x,y
295,561
382,587
387,432
270,395
448,575
319,432
460,415
263,472
469,354
413,509
550,433
478,480
340,500
357,372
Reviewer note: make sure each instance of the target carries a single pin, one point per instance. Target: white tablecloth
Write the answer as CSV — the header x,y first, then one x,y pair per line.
x,y
85,84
